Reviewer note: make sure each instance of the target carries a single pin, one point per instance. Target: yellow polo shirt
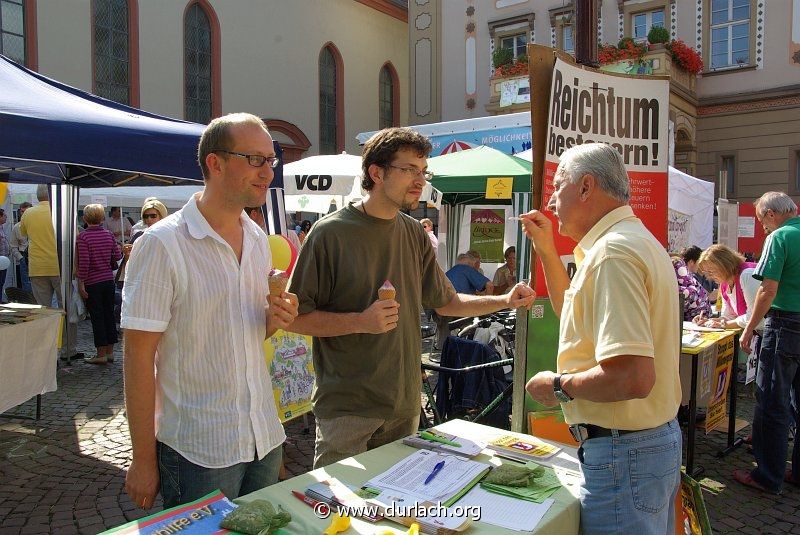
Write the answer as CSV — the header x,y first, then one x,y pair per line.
x,y
623,300
37,225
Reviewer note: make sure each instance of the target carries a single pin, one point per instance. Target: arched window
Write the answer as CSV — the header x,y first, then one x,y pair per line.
x,y
331,122
112,74
387,98
198,60
12,30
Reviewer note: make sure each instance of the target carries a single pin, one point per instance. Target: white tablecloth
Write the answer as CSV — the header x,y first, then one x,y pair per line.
x,y
28,358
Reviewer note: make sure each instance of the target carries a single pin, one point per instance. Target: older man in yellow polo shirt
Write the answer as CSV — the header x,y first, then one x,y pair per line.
x,y
617,367
43,268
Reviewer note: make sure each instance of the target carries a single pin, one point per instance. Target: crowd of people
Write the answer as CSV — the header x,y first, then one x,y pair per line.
x,y
196,308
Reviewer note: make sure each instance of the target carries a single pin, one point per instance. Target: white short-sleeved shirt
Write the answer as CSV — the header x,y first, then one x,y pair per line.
x,y
214,400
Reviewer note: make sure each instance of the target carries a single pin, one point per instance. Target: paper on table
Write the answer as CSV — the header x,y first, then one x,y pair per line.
x,y
409,475
691,326
505,512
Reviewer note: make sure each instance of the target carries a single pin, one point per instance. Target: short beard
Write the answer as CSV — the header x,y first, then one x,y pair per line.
x,y
413,205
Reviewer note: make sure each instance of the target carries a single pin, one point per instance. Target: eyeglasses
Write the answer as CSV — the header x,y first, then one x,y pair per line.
x,y
256,160
427,175
150,216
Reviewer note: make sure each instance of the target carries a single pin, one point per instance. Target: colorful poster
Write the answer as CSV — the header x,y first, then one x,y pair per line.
x,y
509,140
289,363
679,227
717,404
200,517
487,232
628,113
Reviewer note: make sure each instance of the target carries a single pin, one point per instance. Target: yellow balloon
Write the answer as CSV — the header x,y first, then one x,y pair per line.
x,y
284,254
3,191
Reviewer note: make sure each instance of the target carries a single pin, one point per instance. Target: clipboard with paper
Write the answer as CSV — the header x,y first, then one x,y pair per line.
x,y
407,478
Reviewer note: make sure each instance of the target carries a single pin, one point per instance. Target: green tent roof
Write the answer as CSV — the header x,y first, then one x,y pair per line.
x,y
466,171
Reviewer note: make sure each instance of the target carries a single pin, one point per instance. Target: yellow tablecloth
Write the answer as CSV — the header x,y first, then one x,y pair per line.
x,y
562,518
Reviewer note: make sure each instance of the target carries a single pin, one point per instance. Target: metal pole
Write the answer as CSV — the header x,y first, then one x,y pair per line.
x,y
586,16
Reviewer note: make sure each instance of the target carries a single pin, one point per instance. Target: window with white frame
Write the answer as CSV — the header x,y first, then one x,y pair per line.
x,y
730,33
568,38
642,22
517,43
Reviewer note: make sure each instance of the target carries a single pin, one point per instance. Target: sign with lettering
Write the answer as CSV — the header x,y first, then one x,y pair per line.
x,y
499,188
628,113
200,517
290,366
717,408
487,230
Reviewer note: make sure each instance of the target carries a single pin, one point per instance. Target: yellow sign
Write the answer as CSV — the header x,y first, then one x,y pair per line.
x,y
717,408
499,187
3,191
290,366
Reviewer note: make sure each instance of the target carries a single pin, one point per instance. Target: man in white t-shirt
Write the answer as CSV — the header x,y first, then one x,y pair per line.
x,y
196,310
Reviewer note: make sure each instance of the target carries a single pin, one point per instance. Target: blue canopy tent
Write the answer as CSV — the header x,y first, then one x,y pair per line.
x,y
56,134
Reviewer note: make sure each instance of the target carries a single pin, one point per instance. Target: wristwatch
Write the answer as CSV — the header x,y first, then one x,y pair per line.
x,y
561,396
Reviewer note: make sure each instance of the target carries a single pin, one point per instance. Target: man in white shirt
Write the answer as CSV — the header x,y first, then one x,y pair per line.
x,y
196,310
119,226
19,250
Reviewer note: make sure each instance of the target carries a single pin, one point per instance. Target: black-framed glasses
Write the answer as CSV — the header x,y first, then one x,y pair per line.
x,y
427,175
256,160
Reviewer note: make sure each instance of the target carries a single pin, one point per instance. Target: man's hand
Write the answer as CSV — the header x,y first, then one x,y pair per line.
x,y
539,229
282,310
520,295
142,483
82,290
381,316
540,388
746,339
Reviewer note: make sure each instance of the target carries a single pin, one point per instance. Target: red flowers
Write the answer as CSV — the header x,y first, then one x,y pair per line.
x,y
685,57
517,68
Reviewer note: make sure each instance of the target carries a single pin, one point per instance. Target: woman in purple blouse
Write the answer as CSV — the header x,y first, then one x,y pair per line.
x,y
97,254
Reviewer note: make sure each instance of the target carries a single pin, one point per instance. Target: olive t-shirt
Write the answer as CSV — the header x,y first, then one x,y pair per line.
x,y
345,259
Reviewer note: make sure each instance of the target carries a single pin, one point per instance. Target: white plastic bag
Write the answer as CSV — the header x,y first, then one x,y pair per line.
x,y
76,311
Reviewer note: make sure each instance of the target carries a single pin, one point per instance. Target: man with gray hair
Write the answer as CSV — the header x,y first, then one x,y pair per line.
x,y
617,366
43,268
778,373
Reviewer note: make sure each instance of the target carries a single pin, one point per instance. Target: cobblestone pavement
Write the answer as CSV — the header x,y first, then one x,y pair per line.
x,y
65,473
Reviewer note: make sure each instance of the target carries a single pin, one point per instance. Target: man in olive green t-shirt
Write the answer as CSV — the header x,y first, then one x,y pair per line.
x,y
367,350
778,373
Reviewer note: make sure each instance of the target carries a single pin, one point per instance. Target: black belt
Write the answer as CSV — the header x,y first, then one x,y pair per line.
x,y
581,432
777,313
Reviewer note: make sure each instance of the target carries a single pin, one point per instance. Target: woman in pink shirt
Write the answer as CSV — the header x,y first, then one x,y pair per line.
x,y
97,254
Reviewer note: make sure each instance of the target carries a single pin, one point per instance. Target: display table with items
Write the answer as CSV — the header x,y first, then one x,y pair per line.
x,y
28,354
713,378
383,468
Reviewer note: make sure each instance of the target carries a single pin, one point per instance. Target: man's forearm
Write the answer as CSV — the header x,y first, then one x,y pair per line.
x,y
631,378
761,306
140,397
556,278
464,305
326,324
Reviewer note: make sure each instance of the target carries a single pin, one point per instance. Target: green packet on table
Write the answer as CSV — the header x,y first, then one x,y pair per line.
x,y
531,482
258,517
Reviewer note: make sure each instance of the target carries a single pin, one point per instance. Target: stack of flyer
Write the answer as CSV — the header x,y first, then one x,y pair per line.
x,y
435,440
521,449
338,494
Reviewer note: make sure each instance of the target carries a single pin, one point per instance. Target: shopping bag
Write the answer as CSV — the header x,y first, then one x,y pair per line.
x,y
76,311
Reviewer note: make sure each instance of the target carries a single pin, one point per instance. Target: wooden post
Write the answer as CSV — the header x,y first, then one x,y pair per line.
x,y
585,32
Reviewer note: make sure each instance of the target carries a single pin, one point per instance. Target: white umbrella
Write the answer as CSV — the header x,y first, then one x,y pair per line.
x,y
331,174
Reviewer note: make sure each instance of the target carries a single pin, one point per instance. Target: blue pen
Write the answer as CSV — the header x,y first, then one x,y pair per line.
x,y
436,470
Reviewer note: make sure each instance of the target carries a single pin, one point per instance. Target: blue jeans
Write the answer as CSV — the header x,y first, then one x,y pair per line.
x,y
183,481
777,385
24,280
630,482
